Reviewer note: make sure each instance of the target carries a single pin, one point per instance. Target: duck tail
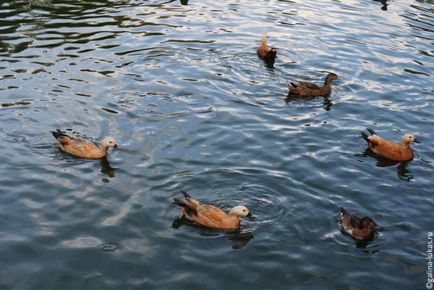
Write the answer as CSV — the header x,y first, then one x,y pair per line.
x,y
292,85
186,195
366,136
372,132
179,202
264,38
343,211
187,209
58,133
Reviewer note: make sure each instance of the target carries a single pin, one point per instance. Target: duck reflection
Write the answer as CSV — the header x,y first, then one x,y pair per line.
x,y
384,3
367,247
327,103
239,238
401,168
106,168
269,63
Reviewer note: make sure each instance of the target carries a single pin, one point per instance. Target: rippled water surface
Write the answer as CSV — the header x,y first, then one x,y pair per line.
x,y
179,85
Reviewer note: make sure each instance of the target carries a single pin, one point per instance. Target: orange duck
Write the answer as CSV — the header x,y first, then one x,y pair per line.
x,y
81,147
210,216
265,51
388,149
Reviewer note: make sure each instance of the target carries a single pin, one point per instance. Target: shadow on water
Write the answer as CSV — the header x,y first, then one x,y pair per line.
x,y
184,2
327,102
239,238
401,168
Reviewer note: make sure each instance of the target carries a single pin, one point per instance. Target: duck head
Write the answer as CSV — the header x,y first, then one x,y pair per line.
x,y
330,77
367,223
409,138
108,142
264,38
240,211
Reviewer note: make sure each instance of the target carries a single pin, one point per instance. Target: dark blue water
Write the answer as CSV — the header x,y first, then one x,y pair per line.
x,y
192,108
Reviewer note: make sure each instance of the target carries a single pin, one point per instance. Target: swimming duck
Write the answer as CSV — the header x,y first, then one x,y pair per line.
x,y
305,89
388,149
209,215
265,51
360,229
81,147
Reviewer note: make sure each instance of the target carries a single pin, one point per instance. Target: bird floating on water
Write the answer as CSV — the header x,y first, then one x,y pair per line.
x,y
265,51
83,148
361,229
306,89
388,149
209,215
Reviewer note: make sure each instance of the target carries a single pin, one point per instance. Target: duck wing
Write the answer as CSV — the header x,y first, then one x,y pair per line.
x,y
203,214
76,146
294,85
348,219
308,85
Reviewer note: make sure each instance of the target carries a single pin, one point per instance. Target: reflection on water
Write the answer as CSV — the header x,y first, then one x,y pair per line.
x,y
401,168
368,248
403,173
327,103
384,3
106,168
269,63
239,238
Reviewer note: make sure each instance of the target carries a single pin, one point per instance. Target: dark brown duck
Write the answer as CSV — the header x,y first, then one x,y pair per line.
x,y
361,229
306,89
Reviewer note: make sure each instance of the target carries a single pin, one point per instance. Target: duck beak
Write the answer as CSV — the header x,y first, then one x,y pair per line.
x,y
115,146
416,141
250,216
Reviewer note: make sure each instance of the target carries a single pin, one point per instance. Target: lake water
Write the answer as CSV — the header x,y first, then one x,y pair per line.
x,y
179,86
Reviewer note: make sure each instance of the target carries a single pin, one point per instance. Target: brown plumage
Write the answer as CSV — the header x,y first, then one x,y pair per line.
x,y
305,89
360,229
390,150
209,215
265,51
81,147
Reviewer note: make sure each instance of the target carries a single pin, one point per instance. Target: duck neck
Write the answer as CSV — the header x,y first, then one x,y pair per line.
x,y
104,148
233,215
328,81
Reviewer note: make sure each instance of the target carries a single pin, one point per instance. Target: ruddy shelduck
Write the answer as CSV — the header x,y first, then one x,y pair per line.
x,y
83,148
306,89
265,51
360,229
210,216
388,149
